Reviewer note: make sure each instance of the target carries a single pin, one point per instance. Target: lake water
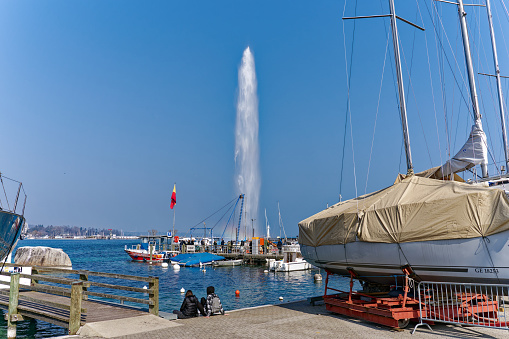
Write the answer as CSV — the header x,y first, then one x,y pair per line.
x,y
256,287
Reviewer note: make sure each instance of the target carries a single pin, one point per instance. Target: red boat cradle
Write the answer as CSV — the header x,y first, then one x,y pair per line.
x,y
469,308
392,312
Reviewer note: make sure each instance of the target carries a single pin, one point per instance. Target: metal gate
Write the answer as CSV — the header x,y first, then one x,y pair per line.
x,y
466,304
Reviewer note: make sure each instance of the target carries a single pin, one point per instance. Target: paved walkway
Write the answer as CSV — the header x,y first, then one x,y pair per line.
x,y
291,320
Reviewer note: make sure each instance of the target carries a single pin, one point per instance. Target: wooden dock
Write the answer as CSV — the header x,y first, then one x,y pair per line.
x,y
45,299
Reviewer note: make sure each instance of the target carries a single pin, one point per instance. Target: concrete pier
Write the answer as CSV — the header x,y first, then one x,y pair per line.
x,y
285,320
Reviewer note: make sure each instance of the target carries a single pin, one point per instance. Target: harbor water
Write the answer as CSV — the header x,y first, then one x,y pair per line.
x,y
256,287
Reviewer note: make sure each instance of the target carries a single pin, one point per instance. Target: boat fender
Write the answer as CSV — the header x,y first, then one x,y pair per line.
x,y
318,277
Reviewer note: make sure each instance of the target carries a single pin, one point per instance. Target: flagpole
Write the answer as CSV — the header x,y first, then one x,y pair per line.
x,y
173,232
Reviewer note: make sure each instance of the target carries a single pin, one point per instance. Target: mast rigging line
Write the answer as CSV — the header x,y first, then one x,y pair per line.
x,y
441,45
349,77
349,111
411,86
431,83
230,202
376,114
233,214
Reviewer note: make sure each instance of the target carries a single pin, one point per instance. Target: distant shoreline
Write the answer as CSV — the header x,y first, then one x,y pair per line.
x,y
125,238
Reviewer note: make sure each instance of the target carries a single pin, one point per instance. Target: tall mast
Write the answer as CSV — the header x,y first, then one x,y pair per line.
x,y
499,87
470,71
399,73
401,91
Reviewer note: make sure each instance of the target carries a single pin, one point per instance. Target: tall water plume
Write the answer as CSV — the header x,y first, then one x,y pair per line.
x,y
247,150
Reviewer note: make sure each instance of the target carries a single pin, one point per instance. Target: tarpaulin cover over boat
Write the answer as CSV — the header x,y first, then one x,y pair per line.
x,y
414,209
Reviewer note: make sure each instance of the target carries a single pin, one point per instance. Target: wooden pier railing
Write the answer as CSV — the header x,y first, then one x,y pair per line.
x,y
37,300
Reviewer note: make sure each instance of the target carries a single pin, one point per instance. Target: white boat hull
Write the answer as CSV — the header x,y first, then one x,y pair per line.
x,y
227,263
280,266
474,260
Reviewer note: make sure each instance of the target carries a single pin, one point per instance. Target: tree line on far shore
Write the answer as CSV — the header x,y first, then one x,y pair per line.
x,y
39,231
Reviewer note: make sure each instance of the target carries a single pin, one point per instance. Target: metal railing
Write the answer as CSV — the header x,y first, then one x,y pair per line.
x,y
469,304
5,193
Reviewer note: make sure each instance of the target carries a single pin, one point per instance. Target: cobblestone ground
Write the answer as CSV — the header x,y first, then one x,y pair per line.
x,y
301,320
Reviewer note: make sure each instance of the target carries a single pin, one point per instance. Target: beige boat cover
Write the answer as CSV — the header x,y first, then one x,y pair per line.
x,y
433,173
414,209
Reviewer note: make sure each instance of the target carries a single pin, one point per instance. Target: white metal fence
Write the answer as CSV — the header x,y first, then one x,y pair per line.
x,y
466,304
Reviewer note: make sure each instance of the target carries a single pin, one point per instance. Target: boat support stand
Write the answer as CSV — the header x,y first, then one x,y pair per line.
x,y
393,312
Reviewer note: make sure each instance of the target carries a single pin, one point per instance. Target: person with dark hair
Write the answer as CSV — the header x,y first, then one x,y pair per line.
x,y
190,307
212,304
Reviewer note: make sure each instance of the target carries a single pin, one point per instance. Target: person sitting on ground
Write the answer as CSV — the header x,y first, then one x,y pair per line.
x,y
190,307
212,304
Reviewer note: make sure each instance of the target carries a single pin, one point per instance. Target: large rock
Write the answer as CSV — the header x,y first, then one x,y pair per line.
x,y
42,256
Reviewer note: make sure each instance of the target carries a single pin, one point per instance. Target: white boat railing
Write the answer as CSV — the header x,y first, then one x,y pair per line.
x,y
483,305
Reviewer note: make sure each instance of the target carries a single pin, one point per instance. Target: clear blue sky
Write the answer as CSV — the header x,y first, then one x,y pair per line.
x,y
105,104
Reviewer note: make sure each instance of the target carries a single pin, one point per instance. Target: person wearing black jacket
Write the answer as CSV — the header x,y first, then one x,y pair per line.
x,y
190,307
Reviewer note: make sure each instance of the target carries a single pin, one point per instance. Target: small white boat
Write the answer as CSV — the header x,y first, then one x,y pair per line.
x,y
291,260
226,263
281,266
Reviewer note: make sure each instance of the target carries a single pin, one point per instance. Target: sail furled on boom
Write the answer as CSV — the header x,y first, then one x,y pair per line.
x,y
474,152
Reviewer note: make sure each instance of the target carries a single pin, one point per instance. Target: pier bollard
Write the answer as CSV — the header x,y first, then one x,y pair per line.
x,y
153,296
13,306
75,312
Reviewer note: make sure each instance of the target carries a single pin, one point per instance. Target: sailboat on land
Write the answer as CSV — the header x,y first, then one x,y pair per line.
x,y
441,228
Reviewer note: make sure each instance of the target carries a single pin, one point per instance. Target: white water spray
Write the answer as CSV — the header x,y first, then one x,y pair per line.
x,y
247,151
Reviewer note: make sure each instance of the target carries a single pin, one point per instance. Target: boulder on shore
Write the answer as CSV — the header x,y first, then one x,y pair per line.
x,y
42,256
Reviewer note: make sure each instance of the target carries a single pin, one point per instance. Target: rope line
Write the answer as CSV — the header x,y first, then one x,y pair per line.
x,y
348,97
376,114
349,108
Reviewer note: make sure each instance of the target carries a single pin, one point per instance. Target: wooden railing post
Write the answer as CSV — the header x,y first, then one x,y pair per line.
x,y
13,315
75,312
84,277
154,295
33,282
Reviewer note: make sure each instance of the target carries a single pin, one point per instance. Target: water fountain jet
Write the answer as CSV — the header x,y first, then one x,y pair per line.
x,y
247,150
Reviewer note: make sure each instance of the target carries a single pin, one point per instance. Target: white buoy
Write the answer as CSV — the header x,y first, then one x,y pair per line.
x,y
182,290
281,298
265,271
176,267
144,287
164,265
318,277
204,270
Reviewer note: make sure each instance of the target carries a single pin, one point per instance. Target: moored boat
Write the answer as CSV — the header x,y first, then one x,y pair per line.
x,y
227,263
12,221
443,230
196,259
152,249
292,260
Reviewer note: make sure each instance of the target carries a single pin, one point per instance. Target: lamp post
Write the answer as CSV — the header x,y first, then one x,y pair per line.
x,y
252,225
